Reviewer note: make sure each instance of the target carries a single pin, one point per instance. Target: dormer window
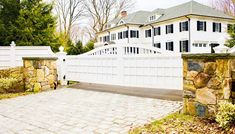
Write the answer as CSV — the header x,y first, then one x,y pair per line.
x,y
152,18
121,22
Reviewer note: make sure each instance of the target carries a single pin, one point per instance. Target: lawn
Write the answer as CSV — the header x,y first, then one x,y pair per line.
x,y
181,124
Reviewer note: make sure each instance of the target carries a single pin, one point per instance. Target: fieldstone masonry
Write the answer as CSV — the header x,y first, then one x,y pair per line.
x,y
40,73
208,80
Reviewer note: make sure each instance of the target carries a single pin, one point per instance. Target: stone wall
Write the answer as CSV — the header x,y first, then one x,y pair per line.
x,y
40,73
11,80
208,80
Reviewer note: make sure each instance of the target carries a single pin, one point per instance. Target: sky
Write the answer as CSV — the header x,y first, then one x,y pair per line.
x,y
150,5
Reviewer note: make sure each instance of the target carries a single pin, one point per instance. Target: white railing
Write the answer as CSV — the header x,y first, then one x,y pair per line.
x,y
151,70
11,56
127,50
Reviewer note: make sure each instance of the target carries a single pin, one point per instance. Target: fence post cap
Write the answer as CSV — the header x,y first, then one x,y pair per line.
x,y
61,49
13,44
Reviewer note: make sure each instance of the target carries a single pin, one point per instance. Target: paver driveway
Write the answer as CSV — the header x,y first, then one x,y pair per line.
x,y
72,111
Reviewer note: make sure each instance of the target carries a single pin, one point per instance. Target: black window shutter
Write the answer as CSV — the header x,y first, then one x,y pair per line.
x,y
198,25
145,33
127,34
187,25
150,33
166,46
159,30
220,27
205,26
137,34
166,29
172,28
180,46
213,26
187,47
180,26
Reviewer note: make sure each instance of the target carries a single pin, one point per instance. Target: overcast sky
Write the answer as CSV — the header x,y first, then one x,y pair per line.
x,y
153,4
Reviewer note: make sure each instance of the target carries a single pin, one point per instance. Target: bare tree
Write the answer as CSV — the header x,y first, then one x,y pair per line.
x,y
68,12
102,11
228,6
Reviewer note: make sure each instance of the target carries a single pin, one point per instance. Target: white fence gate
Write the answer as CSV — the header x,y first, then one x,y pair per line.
x,y
126,65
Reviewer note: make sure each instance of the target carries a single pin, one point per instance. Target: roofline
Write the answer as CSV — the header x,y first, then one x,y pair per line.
x,y
189,15
142,25
106,30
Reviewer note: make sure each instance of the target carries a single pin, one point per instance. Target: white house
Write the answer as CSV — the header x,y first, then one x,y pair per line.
x,y
189,27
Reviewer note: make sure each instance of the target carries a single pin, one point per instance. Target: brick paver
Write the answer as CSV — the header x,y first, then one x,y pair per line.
x,y
72,111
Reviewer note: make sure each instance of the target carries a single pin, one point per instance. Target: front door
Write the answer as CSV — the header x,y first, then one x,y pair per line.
x,y
213,45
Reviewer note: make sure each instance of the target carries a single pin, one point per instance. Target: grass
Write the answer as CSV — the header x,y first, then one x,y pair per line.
x,y
180,124
14,95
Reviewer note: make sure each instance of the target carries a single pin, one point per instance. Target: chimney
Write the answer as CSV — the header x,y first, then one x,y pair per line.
x,y
123,13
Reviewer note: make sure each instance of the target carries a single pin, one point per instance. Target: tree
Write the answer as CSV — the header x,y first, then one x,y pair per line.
x,y
68,12
78,48
227,6
89,46
102,11
74,49
9,12
35,25
231,41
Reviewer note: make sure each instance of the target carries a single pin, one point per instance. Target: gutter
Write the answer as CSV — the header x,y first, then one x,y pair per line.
x,y
128,29
189,29
152,34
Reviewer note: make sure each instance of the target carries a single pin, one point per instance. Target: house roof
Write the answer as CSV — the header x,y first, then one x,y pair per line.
x,y
189,8
138,17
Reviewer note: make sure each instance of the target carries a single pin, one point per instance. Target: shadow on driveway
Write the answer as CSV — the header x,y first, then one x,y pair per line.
x,y
164,94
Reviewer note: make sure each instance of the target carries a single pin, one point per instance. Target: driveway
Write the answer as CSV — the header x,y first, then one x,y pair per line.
x,y
73,111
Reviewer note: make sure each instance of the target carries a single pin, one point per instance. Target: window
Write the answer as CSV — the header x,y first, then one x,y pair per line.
x,y
216,27
157,31
113,36
201,26
125,34
100,39
120,35
134,34
157,45
184,46
199,44
121,22
106,38
169,29
170,46
148,33
184,26
151,18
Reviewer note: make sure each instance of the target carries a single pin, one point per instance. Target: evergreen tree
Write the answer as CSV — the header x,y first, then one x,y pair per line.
x,y
35,25
89,46
231,31
74,49
9,12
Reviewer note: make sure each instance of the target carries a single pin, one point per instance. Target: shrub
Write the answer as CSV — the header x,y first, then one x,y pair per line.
x,y
7,84
226,115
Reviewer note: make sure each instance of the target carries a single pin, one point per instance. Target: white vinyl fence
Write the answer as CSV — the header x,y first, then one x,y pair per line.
x,y
11,56
125,65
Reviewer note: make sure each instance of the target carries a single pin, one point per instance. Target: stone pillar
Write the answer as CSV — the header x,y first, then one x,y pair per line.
x,y
207,82
40,73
